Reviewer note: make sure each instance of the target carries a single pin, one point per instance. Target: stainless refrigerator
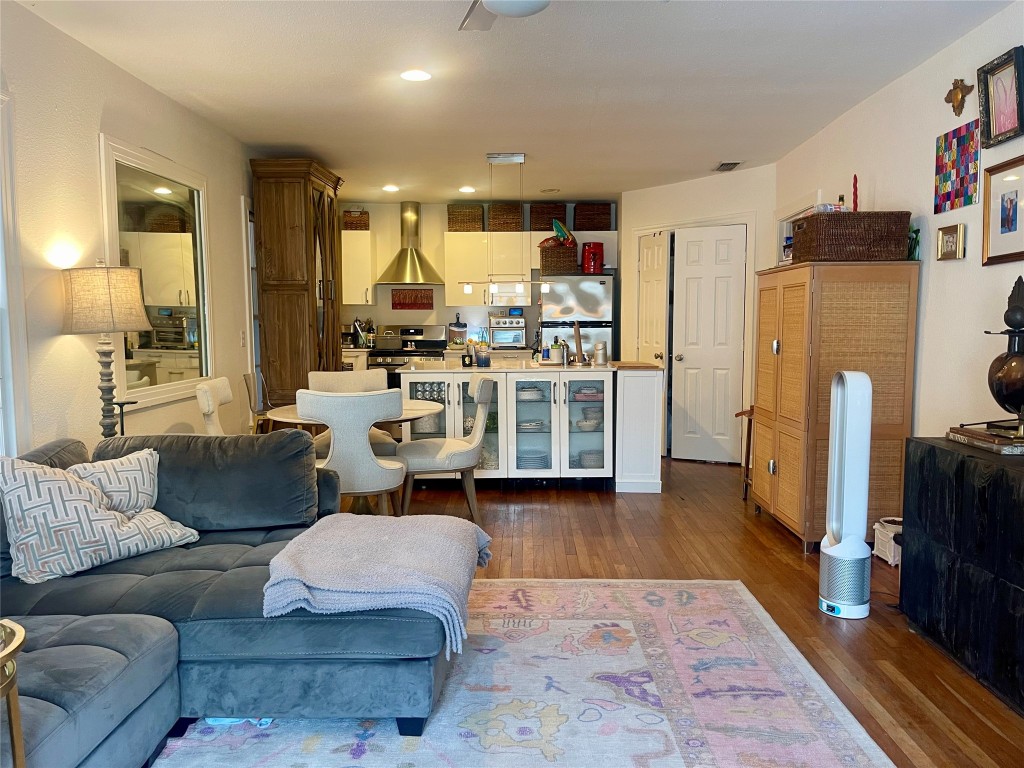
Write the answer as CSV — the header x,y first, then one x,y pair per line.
x,y
589,299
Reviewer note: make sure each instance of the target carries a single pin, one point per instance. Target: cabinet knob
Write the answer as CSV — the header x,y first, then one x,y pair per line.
x,y
773,468
776,346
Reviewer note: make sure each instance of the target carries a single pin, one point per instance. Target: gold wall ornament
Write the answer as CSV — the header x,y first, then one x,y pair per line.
x,y
957,96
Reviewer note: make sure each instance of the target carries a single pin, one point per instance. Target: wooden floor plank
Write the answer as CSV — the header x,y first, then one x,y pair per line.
x,y
910,696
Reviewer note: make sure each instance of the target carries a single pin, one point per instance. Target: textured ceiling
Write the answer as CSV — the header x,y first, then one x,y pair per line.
x,y
602,97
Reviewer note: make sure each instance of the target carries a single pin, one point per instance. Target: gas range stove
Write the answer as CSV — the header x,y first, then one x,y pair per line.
x,y
398,345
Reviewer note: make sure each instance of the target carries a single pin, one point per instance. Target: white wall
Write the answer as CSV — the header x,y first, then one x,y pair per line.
x,y
64,95
888,140
735,197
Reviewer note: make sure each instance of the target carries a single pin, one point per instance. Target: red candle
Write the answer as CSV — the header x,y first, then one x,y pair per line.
x,y
855,192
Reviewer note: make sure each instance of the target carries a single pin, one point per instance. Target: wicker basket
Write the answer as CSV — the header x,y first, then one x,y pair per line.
x,y
559,260
868,236
167,218
541,215
505,217
359,220
465,218
592,217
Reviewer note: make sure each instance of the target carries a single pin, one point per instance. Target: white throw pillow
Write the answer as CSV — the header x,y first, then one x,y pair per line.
x,y
129,482
59,524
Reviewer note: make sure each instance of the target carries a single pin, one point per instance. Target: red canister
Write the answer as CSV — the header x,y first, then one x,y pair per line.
x,y
593,258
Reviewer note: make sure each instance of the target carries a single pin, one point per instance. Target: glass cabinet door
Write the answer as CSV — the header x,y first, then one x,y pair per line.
x,y
586,424
493,455
436,388
533,425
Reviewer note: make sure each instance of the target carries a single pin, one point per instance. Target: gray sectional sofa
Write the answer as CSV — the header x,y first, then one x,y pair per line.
x,y
247,495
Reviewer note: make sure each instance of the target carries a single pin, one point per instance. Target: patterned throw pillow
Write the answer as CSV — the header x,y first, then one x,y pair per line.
x,y
58,524
129,483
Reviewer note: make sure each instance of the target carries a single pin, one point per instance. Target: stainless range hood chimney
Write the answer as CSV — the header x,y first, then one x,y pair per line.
x,y
410,266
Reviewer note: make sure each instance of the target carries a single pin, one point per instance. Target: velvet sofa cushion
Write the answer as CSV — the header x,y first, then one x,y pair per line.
x,y
224,482
213,593
60,454
80,677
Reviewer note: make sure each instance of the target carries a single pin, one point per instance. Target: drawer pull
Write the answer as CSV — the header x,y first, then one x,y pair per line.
x,y
773,468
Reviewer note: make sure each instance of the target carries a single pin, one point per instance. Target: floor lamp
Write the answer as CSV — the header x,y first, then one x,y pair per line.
x,y
104,300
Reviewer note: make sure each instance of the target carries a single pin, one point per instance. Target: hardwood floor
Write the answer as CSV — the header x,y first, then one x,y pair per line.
x,y
913,700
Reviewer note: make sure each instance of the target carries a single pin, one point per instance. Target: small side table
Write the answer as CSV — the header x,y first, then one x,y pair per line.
x,y
12,636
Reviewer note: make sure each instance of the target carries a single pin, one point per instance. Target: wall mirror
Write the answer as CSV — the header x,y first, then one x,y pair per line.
x,y
155,221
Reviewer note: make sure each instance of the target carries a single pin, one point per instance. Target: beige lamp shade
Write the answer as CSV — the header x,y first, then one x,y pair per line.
x,y
104,300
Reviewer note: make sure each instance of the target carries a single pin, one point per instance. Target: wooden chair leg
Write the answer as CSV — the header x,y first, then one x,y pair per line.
x,y
396,503
469,486
14,727
746,457
407,493
382,503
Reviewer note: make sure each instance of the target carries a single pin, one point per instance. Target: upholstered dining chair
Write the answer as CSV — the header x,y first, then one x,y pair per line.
x,y
381,442
451,454
350,416
211,395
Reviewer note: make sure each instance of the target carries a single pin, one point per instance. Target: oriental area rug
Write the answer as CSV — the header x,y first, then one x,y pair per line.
x,y
586,673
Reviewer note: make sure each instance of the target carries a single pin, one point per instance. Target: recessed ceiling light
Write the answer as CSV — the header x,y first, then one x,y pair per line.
x,y
389,188
162,191
415,75
467,189
550,191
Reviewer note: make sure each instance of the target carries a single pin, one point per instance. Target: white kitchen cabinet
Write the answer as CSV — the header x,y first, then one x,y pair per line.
x,y
355,358
512,355
171,365
585,424
494,455
465,260
534,416
610,240
639,400
358,267
437,388
168,266
481,258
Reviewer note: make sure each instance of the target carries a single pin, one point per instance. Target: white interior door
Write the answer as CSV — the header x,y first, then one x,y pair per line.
x,y
707,342
652,312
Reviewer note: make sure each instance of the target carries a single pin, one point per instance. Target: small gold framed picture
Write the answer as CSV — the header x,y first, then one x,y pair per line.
x,y
950,242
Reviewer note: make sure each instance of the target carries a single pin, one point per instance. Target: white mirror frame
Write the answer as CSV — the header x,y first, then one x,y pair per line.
x,y
113,151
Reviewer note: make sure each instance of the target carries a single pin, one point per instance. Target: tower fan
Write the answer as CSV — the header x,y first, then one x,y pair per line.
x,y
844,582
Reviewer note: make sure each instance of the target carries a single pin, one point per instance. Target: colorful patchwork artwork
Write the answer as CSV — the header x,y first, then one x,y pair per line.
x,y
956,168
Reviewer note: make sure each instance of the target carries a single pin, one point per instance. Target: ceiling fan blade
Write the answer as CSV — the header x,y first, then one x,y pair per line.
x,y
478,18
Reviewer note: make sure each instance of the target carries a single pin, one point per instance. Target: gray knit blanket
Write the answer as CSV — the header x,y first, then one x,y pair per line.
x,y
363,563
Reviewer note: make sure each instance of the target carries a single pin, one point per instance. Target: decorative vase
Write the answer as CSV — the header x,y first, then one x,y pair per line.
x,y
1006,374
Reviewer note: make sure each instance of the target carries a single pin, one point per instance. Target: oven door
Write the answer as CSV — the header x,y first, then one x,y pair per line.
x,y
508,338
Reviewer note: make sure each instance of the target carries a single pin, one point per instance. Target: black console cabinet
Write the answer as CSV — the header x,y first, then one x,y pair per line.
x,y
962,579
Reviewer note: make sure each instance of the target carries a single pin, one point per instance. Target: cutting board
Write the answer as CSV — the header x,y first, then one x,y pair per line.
x,y
634,365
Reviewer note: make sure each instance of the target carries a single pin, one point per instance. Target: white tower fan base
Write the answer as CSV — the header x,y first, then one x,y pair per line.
x,y
844,581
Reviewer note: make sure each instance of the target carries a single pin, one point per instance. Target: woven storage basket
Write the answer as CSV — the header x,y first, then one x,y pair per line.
x,y
559,260
592,217
359,220
505,217
465,218
868,236
541,215
166,218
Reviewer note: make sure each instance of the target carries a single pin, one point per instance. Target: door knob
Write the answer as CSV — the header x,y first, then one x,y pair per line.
x,y
679,358
658,356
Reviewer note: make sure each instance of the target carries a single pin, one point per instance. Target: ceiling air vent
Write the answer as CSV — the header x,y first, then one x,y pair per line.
x,y
726,167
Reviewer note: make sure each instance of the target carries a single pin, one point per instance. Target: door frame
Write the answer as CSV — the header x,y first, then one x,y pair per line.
x,y
747,218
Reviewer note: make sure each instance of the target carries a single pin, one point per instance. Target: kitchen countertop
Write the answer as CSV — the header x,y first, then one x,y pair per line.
x,y
497,365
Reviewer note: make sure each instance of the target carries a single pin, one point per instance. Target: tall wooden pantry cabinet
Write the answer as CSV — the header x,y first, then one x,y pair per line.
x,y
812,321
298,252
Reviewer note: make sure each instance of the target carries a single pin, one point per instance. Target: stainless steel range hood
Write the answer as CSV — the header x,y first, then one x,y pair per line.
x,y
410,266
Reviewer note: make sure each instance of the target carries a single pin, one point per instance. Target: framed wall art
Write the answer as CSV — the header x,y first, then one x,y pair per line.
x,y
950,243
956,168
1001,97
1003,238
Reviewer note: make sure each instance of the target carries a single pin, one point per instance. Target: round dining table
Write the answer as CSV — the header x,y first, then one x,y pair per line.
x,y
411,410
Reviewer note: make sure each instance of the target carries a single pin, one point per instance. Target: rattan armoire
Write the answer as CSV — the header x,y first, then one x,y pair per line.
x,y
813,320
